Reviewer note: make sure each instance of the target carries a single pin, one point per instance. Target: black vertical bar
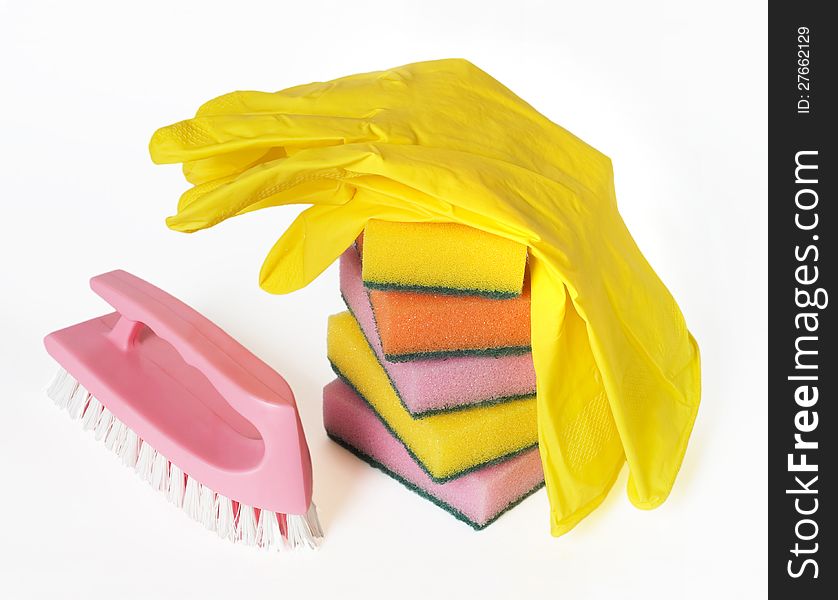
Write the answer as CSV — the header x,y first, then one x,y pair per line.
x,y
803,364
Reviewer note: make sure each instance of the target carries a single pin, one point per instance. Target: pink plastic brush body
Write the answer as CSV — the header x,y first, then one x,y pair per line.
x,y
192,392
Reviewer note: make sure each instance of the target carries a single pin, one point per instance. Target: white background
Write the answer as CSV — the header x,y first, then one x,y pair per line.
x,y
673,92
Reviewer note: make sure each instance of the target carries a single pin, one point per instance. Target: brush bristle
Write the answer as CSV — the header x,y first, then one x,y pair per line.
x,y
268,534
145,461
246,526
176,486
214,511
191,501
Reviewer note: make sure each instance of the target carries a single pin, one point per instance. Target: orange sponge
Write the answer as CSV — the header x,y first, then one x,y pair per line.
x,y
413,325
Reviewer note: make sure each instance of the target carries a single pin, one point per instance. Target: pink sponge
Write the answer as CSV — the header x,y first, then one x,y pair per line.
x,y
428,386
478,497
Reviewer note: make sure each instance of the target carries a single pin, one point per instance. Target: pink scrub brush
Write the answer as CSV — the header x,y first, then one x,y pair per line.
x,y
191,411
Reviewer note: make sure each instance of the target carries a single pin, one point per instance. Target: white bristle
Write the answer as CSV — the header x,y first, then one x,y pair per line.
x,y
56,383
176,484
314,521
113,433
192,499
268,535
225,520
91,414
208,508
62,389
145,461
116,436
246,526
121,438
103,425
78,402
300,532
160,473
130,448
214,511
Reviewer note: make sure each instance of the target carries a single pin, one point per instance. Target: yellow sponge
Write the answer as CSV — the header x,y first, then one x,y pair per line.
x,y
441,258
446,445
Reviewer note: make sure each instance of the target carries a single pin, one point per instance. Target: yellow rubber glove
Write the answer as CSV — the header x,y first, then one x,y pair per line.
x,y
617,371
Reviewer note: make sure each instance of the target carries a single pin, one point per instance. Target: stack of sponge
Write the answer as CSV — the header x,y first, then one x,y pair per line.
x,y
436,385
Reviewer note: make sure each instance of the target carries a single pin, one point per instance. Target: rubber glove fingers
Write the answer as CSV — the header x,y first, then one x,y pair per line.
x,y
586,456
203,137
311,243
222,166
311,176
346,96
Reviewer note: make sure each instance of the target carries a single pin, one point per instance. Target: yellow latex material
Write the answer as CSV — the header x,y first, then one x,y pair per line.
x,y
442,257
446,444
617,370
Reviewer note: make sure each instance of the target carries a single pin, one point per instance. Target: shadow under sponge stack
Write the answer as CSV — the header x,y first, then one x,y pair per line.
x,y
436,381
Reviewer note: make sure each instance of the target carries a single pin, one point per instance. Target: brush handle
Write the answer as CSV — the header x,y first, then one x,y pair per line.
x,y
191,392
231,422
229,366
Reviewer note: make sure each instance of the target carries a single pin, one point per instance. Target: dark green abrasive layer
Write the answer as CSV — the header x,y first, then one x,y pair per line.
x,y
437,354
446,291
446,507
